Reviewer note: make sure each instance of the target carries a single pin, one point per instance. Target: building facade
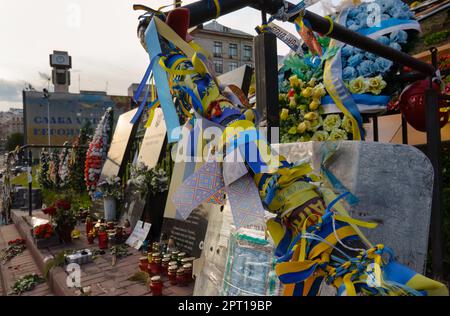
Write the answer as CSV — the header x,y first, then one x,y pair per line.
x,y
10,122
229,48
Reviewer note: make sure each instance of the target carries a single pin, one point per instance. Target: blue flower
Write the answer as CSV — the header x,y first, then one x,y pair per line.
x,y
396,46
354,27
384,40
381,65
346,51
370,56
400,37
399,13
355,60
349,73
365,68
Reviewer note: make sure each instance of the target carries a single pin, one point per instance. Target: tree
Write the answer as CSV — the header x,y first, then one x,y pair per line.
x,y
14,140
43,173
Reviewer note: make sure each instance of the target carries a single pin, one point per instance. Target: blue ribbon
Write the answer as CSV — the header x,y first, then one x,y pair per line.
x,y
397,23
365,99
162,84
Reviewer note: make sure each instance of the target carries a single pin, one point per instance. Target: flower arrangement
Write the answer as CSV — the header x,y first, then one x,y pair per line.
x,y
97,151
110,187
43,171
62,214
148,181
54,167
44,231
302,114
357,63
63,171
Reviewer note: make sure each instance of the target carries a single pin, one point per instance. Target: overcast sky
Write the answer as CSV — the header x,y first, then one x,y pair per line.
x,y
100,35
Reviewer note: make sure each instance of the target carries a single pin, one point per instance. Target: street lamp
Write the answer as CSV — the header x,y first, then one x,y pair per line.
x,y
47,98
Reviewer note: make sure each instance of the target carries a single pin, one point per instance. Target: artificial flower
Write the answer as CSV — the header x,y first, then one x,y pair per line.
x,y
338,134
332,122
347,124
292,103
400,37
365,69
292,130
311,116
312,82
357,86
302,127
349,73
384,40
314,105
318,91
295,81
355,60
284,114
307,92
320,136
376,85
382,65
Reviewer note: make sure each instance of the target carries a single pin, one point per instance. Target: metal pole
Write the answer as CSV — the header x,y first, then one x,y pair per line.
x,y
404,130
267,79
375,128
30,182
434,154
205,10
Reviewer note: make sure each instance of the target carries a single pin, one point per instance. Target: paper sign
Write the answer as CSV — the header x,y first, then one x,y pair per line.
x,y
138,235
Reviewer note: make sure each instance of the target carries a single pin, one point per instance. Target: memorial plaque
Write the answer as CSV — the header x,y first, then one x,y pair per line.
x,y
149,154
394,184
133,206
120,144
189,235
153,140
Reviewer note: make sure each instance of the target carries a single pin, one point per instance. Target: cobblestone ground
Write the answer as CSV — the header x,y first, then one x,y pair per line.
x,y
18,266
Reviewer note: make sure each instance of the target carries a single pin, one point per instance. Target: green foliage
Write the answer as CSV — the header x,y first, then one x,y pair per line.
x,y
436,38
58,261
14,140
26,283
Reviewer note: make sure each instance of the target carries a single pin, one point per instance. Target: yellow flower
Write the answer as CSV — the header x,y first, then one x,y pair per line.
x,y
284,114
320,136
303,126
292,130
319,91
295,81
347,124
292,103
376,85
358,85
311,116
314,105
312,82
307,92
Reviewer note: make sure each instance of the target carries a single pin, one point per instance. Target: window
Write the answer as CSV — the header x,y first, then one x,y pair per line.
x,y
233,50
218,66
217,49
248,52
232,66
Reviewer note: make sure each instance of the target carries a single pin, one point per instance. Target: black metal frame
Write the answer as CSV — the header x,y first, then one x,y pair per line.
x,y
205,10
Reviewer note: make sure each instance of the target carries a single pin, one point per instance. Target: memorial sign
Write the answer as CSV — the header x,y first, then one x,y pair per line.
x,y
138,235
153,140
149,153
65,114
120,145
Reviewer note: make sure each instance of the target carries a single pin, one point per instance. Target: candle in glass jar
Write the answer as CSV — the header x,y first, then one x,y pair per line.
x,y
172,274
156,286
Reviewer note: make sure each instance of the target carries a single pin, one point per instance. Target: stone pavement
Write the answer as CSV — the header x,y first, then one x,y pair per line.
x,y
18,266
103,278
